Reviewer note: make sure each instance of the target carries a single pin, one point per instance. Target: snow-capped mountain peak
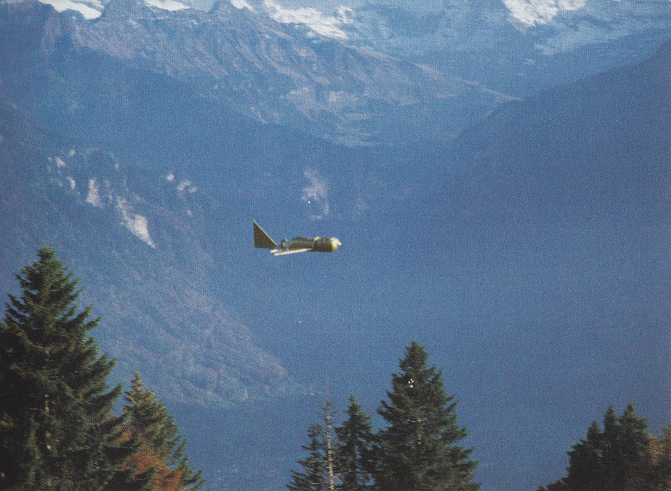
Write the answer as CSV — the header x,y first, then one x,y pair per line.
x,y
93,9
536,12
324,24
88,9
242,4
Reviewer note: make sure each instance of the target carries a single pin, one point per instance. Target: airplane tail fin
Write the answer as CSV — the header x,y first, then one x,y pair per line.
x,y
262,239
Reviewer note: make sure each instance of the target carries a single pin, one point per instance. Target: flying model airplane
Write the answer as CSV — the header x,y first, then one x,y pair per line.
x,y
297,244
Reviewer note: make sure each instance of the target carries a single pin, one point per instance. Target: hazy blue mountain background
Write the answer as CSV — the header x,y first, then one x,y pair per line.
x,y
498,174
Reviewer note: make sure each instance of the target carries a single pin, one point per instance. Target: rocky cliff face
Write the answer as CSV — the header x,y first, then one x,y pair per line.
x,y
512,46
270,71
136,241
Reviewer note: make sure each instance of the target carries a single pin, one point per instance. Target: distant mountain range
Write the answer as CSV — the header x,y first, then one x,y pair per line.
x,y
368,75
272,72
528,248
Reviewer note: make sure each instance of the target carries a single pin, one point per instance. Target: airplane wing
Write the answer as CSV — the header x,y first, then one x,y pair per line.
x,y
280,252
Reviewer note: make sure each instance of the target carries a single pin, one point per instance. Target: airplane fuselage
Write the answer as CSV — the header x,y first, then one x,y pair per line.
x,y
318,244
297,244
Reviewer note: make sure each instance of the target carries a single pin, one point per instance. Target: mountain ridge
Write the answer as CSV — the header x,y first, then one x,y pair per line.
x,y
354,91
188,343
269,71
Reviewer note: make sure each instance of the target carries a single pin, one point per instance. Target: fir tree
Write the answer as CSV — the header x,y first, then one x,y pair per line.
x,y
620,457
56,427
418,450
354,459
659,475
611,459
319,467
314,476
162,445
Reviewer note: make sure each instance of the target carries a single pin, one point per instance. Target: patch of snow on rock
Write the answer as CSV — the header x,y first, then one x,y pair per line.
x,y
241,4
533,12
93,196
136,224
87,11
326,25
170,5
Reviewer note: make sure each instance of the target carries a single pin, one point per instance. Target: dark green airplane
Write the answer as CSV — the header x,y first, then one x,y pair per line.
x,y
297,244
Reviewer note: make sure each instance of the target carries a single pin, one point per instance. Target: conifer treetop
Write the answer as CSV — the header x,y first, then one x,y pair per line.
x,y
59,432
47,307
154,428
418,450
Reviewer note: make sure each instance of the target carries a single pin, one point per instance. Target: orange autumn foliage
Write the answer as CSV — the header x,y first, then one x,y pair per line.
x,y
145,460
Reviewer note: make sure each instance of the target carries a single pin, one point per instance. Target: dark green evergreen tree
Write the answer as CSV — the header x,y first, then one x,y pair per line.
x,y
659,476
612,459
314,476
418,450
354,455
163,446
617,458
56,424
319,467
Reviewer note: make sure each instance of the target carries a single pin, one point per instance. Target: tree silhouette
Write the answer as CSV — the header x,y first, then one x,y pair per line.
x,y
620,457
354,455
314,476
56,427
161,443
418,450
